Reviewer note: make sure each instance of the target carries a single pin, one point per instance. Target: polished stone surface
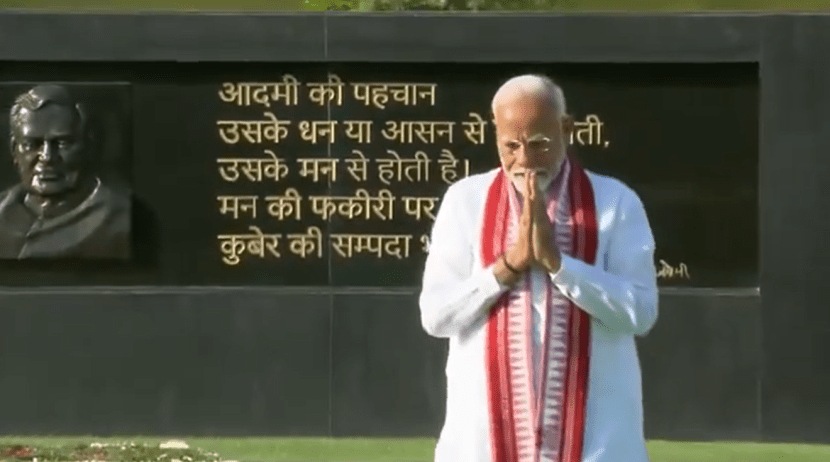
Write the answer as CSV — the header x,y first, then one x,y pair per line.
x,y
185,188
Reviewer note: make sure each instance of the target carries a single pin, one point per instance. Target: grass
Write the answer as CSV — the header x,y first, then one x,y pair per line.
x,y
317,5
420,450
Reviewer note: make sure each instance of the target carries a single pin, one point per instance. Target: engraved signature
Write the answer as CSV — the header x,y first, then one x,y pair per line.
x,y
667,271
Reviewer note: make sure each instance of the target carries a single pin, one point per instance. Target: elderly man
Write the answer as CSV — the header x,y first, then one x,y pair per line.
x,y
540,274
60,208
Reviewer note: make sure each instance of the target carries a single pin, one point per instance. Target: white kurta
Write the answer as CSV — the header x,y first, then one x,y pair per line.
x,y
620,294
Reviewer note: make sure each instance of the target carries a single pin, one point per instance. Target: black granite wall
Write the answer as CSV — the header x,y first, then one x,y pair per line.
x,y
717,122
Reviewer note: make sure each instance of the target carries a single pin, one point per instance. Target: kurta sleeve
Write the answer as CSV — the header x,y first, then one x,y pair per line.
x,y
621,289
454,293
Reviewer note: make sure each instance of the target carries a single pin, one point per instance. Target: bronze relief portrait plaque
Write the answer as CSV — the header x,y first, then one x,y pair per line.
x,y
62,194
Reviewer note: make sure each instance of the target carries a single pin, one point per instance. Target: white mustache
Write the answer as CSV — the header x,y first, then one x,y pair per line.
x,y
537,171
541,176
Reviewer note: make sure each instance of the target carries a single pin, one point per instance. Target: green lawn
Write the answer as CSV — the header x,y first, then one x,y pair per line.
x,y
316,5
420,450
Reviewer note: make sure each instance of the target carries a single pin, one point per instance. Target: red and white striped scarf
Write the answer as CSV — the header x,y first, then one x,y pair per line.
x,y
526,425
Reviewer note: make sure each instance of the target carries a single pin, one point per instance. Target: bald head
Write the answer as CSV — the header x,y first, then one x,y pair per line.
x,y
531,86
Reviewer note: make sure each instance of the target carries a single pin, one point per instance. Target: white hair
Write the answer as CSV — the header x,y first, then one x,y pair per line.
x,y
532,85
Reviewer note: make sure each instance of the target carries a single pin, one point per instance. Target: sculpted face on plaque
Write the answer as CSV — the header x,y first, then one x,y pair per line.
x,y
59,208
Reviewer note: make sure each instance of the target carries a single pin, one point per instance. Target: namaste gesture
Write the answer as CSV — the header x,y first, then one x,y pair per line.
x,y
535,246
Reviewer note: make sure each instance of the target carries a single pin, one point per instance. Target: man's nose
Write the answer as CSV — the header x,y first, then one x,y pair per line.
x,y
522,156
48,151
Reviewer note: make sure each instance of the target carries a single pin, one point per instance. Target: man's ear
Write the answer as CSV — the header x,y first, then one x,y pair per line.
x,y
87,137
